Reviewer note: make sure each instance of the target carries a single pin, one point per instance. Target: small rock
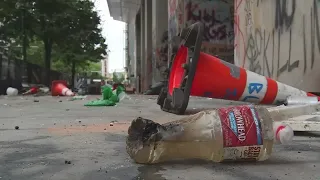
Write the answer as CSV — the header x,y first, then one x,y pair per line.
x,y
106,171
67,162
67,109
54,123
299,152
16,127
35,100
105,128
95,161
314,165
60,101
111,124
79,121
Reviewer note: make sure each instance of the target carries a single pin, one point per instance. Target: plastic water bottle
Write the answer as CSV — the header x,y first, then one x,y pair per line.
x,y
122,96
238,133
12,91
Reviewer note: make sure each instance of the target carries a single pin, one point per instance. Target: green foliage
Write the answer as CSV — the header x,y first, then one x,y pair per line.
x,y
94,66
66,34
118,78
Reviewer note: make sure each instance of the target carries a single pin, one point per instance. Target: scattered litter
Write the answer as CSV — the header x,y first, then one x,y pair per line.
x,y
109,98
16,127
59,87
67,162
78,98
36,90
300,100
32,90
44,89
12,91
149,134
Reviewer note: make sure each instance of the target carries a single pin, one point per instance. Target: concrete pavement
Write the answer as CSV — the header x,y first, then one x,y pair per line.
x,y
55,130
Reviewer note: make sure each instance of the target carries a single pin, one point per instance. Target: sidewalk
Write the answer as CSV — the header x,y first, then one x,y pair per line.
x,y
52,133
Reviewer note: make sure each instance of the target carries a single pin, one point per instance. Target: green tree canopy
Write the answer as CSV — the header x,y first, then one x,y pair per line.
x,y
59,31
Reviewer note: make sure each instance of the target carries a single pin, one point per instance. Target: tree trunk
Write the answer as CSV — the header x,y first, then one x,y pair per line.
x,y
73,72
47,61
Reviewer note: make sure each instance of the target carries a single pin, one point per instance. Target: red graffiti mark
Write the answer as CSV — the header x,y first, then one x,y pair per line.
x,y
237,4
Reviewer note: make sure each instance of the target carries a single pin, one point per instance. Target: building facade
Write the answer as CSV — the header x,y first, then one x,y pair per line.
x,y
104,66
275,38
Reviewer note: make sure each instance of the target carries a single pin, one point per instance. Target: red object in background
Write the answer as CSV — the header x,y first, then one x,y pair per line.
x,y
59,88
115,86
216,78
34,90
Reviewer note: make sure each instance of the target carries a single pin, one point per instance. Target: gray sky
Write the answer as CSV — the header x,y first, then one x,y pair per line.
x,y
113,31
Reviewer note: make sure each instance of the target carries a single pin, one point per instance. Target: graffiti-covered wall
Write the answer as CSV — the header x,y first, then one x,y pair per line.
x,y
217,17
279,39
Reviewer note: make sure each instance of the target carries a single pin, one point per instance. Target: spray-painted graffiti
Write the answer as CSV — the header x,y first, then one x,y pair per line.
x,y
284,46
216,18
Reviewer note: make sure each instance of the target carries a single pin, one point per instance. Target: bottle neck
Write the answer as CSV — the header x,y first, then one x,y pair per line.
x,y
278,131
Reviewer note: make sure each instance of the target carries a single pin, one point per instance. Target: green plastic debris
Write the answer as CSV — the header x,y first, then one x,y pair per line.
x,y
109,98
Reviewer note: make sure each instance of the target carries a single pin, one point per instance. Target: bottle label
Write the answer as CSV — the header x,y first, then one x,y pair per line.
x,y
242,133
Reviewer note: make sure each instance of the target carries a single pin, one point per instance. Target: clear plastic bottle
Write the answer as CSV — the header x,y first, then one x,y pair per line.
x,y
245,133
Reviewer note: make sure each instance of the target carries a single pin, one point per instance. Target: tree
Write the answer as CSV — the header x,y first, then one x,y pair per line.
x,y
67,31
72,25
85,43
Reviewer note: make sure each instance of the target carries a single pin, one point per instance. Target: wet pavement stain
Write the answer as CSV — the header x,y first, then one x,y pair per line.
x,y
149,172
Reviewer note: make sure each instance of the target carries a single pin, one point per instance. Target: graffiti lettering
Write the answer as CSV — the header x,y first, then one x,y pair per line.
x,y
287,66
257,47
215,28
285,48
284,19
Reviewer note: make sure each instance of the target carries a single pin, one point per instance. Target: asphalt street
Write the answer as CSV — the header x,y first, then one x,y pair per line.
x,y
59,139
